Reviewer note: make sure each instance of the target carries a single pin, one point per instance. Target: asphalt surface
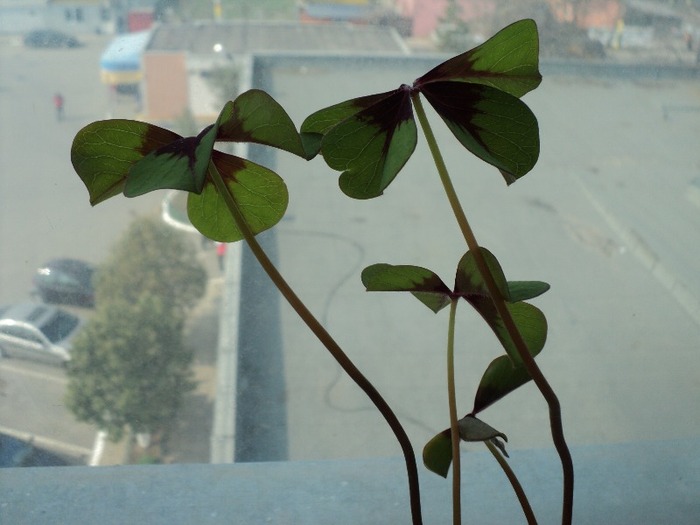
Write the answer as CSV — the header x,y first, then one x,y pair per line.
x,y
607,217
45,213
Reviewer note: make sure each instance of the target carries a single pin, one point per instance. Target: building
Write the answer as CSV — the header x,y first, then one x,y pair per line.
x,y
75,16
179,58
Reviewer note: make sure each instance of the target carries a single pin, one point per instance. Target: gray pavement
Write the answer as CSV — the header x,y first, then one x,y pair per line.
x,y
45,213
44,210
614,177
615,183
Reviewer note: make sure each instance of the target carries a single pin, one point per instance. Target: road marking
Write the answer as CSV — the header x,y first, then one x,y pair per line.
x,y
98,449
648,258
46,442
32,373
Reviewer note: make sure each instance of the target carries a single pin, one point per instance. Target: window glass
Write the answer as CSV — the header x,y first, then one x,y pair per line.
x,y
58,326
608,217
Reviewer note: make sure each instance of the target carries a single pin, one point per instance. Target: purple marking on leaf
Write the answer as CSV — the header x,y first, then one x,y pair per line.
x,y
228,165
455,67
389,112
184,147
452,100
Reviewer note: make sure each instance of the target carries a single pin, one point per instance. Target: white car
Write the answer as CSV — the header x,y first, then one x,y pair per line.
x,y
38,332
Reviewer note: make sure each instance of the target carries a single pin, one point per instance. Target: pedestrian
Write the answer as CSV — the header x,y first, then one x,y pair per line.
x,y
220,253
58,105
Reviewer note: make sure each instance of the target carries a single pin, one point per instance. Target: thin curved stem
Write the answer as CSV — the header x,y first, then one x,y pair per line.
x,y
454,428
538,377
325,338
517,487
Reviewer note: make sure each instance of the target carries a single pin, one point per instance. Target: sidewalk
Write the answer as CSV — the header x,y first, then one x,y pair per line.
x,y
189,439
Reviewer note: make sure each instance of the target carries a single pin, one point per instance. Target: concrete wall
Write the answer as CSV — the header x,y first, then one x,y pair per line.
x,y
166,93
75,18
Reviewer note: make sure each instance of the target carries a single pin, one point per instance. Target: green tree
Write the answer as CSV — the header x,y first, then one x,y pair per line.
x,y
453,32
152,259
129,367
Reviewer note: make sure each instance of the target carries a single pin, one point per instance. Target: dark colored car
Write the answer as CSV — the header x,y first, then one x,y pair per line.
x,y
65,281
50,38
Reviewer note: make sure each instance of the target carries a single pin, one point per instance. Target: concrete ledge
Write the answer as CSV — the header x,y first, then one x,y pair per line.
x,y
654,482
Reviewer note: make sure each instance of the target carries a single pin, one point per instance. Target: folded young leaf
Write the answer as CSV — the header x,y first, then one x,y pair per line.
x,y
507,61
500,379
425,285
468,280
524,290
473,429
437,453
103,152
529,320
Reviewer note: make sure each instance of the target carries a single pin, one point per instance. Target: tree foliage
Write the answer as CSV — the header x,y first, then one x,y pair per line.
x,y
152,259
129,367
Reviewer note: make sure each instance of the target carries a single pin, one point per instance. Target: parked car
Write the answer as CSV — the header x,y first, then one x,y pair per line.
x,y
36,331
65,281
50,38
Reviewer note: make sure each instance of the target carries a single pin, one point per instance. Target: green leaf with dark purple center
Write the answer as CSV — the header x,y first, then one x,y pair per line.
x,y
103,152
259,193
257,117
316,125
495,126
371,145
180,165
424,284
507,61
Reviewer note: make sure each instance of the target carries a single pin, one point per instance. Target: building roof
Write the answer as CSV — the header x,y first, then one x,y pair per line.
x,y
124,52
275,36
330,11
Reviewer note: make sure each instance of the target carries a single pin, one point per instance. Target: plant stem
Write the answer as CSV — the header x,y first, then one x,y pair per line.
x,y
536,374
517,487
454,428
325,338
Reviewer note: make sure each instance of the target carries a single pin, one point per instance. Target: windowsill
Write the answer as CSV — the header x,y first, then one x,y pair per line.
x,y
651,482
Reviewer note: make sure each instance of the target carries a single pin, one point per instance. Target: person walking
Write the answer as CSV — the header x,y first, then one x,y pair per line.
x,y
58,105
220,254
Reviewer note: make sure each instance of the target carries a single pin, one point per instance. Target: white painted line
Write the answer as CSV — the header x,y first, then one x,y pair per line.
x,y
98,449
46,442
648,258
32,373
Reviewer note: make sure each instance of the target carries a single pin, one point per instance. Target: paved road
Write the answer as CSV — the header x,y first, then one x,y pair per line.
x,y
615,179
32,405
44,208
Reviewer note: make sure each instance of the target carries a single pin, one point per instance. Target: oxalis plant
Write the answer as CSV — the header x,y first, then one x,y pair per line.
x,y
370,139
